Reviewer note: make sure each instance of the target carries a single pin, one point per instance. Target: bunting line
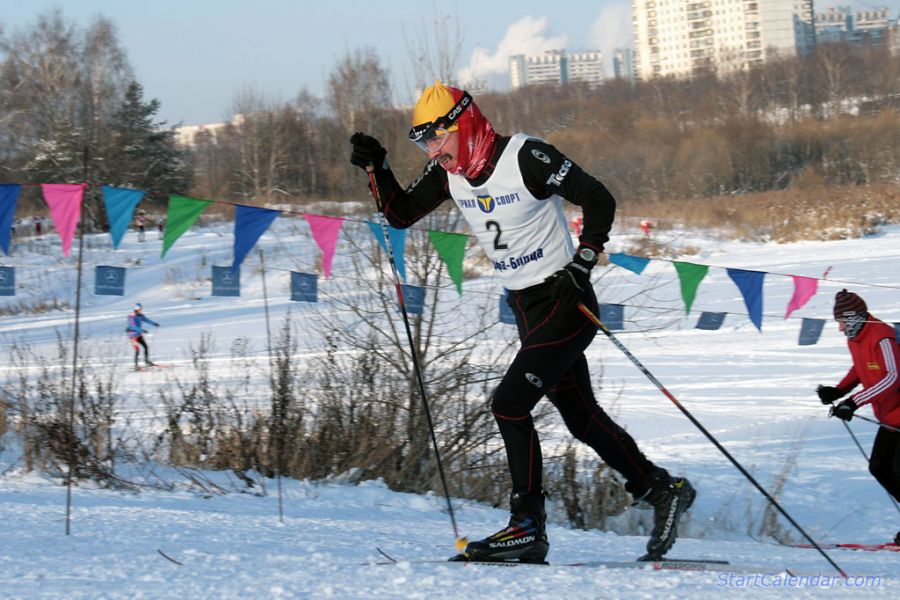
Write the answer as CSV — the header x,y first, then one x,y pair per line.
x,y
631,259
64,201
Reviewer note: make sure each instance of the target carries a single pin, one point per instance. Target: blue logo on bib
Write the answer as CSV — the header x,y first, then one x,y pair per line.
x,y
486,203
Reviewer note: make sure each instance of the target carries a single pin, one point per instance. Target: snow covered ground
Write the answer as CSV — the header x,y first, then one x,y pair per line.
x,y
754,391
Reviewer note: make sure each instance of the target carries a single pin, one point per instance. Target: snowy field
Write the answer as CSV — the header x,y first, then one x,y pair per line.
x,y
754,391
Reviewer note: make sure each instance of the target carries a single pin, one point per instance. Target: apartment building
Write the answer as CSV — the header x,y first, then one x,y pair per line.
x,y
555,67
841,24
682,38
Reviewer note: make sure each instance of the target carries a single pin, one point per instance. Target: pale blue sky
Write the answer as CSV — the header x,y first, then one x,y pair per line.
x,y
196,55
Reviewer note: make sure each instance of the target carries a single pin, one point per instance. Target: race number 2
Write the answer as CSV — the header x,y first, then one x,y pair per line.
x,y
498,245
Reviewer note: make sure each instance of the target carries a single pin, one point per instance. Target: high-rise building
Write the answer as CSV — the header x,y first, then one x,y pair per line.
x,y
555,67
623,63
674,37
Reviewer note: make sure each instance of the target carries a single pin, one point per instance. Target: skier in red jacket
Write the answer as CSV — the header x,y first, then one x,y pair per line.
x,y
876,356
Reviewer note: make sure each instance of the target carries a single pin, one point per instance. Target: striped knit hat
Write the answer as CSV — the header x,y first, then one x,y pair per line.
x,y
847,303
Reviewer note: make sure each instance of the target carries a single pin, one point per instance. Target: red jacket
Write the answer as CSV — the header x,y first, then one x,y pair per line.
x,y
876,356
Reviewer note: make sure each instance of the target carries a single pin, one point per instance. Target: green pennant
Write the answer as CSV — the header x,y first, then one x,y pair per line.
x,y
451,247
183,211
690,275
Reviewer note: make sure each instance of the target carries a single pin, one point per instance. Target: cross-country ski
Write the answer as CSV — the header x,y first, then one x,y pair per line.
x,y
669,564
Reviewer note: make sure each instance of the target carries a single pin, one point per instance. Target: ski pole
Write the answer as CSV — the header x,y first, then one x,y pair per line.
x,y
460,543
596,320
863,452
870,420
876,422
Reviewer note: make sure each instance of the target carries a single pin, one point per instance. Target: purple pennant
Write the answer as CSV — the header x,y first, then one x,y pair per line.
x,y
750,283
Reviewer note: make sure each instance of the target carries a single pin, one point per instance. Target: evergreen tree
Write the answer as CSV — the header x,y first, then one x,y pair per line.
x,y
143,153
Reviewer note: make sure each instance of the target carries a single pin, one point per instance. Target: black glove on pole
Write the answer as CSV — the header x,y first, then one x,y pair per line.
x,y
570,282
844,410
367,151
828,394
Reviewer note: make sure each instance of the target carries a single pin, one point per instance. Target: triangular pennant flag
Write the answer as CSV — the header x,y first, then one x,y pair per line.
x,y
120,204
710,320
689,275
9,195
750,284
325,231
250,222
810,330
451,247
804,289
397,237
64,200
636,264
182,213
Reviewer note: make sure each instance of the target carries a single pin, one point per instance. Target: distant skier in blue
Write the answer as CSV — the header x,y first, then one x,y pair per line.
x,y
136,332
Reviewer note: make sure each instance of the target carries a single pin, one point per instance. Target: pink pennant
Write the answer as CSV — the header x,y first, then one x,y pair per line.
x,y
804,289
64,200
325,231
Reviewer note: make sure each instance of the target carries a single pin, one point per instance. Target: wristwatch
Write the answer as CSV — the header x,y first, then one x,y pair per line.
x,y
587,255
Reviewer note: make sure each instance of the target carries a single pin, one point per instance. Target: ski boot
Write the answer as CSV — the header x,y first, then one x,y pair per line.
x,y
669,497
149,363
523,540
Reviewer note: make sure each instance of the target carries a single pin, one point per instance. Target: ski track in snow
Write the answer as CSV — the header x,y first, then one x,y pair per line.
x,y
752,390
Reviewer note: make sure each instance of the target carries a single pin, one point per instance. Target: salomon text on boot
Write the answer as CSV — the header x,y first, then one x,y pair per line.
x,y
523,540
669,497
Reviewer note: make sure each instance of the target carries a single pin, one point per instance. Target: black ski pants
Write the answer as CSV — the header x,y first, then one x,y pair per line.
x,y
551,363
137,351
884,463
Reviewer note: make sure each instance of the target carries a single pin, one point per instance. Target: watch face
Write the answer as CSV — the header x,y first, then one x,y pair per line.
x,y
587,254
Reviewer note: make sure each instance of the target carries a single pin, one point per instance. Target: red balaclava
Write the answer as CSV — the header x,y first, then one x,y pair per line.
x,y
475,132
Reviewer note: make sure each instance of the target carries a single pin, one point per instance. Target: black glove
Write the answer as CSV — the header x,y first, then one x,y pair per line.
x,y
570,282
828,394
844,410
366,151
